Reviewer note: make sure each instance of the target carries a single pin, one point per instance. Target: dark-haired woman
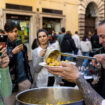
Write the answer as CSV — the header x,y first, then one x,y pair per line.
x,y
41,74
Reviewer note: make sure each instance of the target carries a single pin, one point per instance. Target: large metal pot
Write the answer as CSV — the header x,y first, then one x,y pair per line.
x,y
50,96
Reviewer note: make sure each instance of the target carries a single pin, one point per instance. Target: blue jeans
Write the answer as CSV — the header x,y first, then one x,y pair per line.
x,y
20,65
75,53
85,60
67,58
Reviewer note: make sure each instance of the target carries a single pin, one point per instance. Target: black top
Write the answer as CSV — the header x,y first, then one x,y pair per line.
x,y
67,44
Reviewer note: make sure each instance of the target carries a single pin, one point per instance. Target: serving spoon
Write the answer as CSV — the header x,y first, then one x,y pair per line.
x,y
57,52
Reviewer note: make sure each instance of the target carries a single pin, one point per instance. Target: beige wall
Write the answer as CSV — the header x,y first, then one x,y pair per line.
x,y
69,8
2,4
71,12
23,2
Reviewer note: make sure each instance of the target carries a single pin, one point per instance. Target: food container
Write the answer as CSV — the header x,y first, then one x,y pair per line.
x,y
51,51
50,96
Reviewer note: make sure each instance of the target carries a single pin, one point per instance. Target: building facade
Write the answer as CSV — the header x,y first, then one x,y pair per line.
x,y
91,12
30,15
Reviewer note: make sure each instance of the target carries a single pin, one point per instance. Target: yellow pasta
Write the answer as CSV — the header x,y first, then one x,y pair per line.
x,y
66,61
54,62
51,60
60,103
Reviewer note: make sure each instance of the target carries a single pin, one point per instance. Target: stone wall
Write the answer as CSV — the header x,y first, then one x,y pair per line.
x,y
1,19
82,11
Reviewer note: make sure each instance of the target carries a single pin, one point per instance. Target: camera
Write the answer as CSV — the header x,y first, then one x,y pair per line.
x,y
18,42
3,40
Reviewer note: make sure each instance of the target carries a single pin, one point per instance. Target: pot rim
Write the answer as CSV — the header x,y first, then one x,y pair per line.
x,y
43,88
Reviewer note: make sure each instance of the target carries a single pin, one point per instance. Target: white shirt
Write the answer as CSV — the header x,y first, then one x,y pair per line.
x,y
86,46
103,102
76,40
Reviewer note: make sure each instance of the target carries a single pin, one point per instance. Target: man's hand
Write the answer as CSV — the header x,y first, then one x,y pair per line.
x,y
17,49
42,52
67,70
100,58
4,59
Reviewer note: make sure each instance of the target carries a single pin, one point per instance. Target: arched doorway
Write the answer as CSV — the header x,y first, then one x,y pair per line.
x,y
90,17
92,9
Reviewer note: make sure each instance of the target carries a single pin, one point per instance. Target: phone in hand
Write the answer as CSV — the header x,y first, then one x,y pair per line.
x,y
3,41
18,42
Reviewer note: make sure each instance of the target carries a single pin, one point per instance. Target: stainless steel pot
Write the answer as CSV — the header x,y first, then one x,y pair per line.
x,y
50,96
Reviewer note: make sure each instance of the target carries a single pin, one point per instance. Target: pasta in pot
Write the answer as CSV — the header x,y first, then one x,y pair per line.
x,y
60,103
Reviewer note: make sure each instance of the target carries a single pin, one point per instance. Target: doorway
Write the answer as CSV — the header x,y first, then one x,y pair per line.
x,y
23,25
90,17
52,24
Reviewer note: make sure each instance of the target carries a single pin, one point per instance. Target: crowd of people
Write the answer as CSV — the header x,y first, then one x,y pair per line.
x,y
15,71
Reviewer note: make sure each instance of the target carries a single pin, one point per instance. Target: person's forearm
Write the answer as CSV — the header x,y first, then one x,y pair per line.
x,y
91,97
6,84
36,60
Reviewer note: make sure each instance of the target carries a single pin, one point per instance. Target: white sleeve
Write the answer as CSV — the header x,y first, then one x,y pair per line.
x,y
79,41
103,102
35,61
90,46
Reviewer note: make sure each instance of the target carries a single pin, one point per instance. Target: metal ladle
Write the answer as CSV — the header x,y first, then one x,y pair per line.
x,y
57,52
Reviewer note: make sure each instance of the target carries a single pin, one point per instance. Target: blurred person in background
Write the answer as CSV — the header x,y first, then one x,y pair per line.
x,y
34,44
68,45
86,48
90,33
95,44
76,39
95,40
61,36
52,37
